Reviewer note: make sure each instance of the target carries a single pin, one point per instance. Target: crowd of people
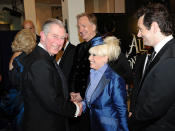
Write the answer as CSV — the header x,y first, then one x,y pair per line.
x,y
85,89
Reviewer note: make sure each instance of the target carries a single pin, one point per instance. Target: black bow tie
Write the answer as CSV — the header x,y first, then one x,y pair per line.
x,y
52,57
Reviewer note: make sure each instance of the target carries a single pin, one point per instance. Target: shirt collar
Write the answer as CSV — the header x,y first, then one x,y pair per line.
x,y
66,45
159,46
101,70
41,45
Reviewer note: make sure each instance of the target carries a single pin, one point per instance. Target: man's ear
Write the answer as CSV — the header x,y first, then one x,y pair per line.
x,y
42,35
94,27
155,27
66,36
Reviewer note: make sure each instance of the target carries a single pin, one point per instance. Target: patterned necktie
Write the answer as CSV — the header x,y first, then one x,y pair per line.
x,y
59,55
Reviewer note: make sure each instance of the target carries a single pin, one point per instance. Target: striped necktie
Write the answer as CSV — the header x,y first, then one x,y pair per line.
x,y
150,59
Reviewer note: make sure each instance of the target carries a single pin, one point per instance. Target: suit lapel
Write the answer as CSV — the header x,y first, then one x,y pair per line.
x,y
63,80
68,48
100,87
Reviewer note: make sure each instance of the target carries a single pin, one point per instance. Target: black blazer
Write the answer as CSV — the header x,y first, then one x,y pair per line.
x,y
45,104
67,60
154,108
80,69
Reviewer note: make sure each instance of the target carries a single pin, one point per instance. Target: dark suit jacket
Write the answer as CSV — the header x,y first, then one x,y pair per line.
x,y
154,108
45,105
80,69
67,60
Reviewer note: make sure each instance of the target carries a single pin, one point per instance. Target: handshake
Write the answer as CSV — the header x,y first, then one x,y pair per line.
x,y
76,99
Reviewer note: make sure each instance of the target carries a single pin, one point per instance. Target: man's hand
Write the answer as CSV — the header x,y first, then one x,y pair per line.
x,y
130,113
75,97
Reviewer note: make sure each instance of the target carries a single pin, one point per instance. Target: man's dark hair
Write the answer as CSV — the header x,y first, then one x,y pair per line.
x,y
156,12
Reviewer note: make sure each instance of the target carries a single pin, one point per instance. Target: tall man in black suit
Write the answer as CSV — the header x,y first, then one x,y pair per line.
x,y
46,103
154,100
87,27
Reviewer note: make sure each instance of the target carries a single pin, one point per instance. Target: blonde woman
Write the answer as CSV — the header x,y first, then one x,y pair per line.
x,y
105,97
24,42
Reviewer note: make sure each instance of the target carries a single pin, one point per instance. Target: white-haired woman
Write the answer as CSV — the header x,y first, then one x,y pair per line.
x,y
105,97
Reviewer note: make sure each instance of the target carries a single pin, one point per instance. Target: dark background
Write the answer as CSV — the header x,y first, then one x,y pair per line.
x,y
133,5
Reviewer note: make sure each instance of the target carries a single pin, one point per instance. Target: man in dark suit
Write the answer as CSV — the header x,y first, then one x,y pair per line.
x,y
46,103
154,100
66,60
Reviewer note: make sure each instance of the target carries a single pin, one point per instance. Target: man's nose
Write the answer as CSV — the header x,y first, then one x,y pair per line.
x,y
90,57
80,29
139,34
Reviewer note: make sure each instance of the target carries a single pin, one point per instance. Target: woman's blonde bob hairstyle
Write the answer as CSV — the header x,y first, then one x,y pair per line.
x,y
109,48
24,41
